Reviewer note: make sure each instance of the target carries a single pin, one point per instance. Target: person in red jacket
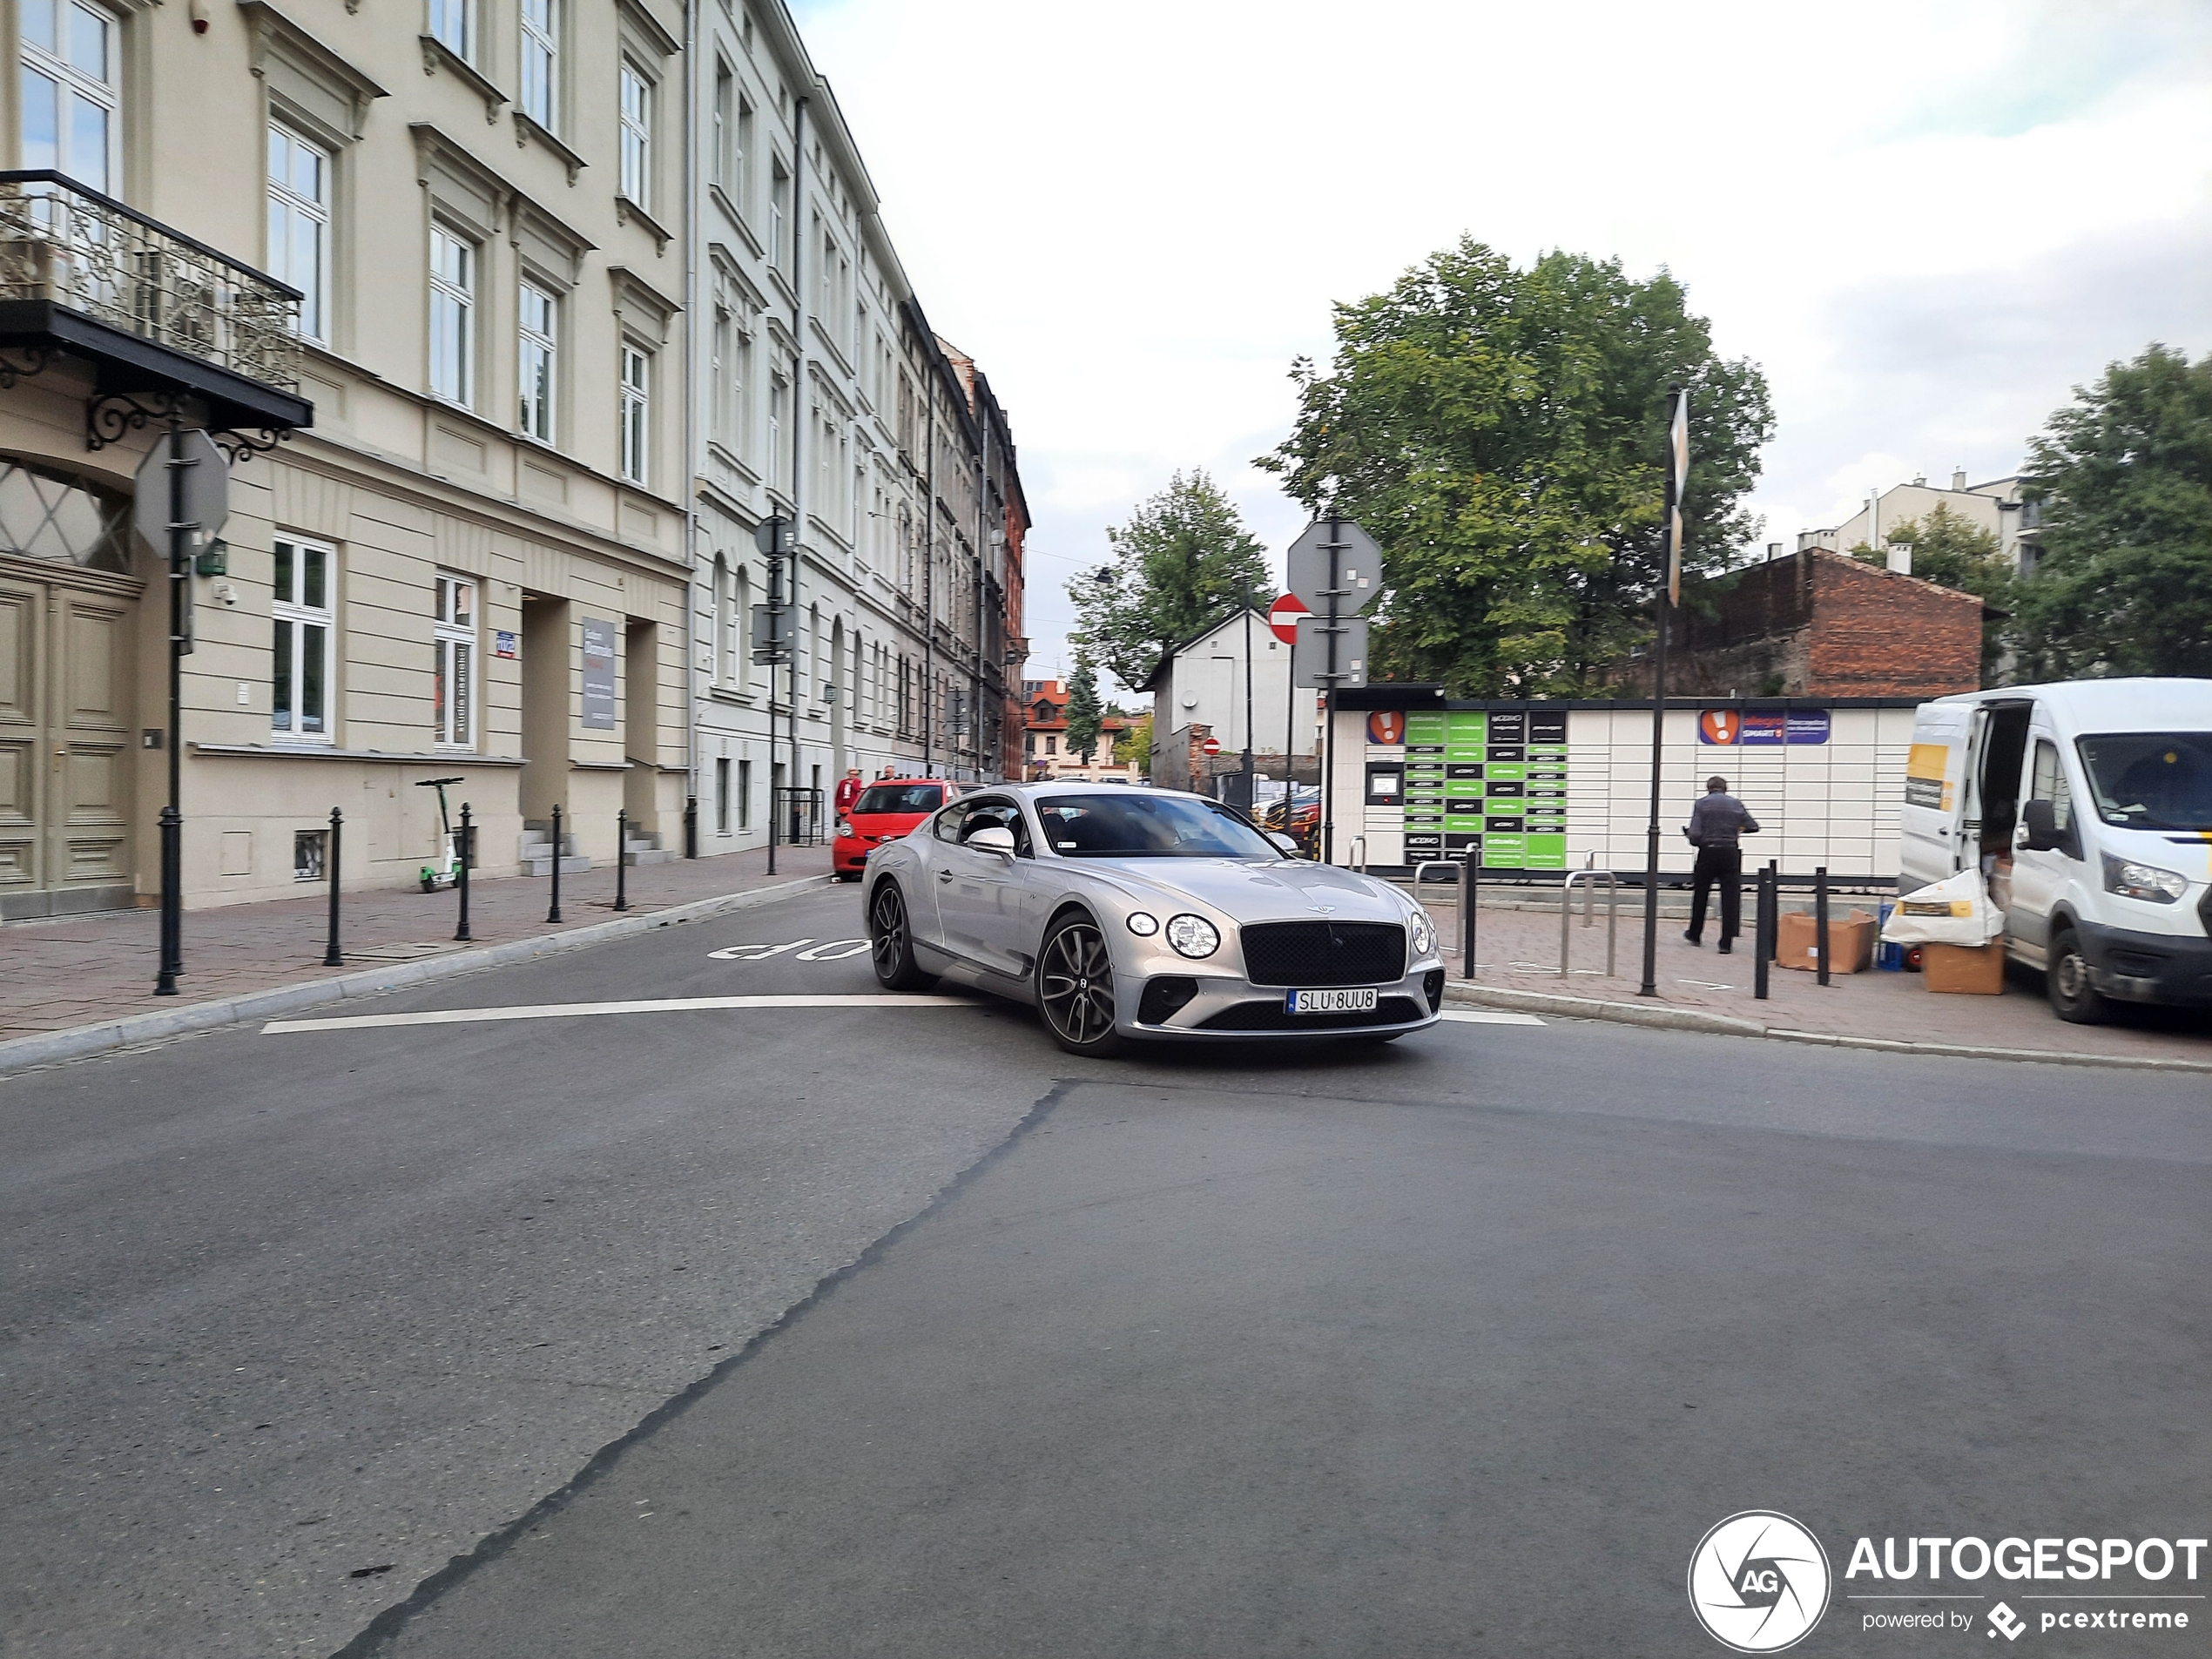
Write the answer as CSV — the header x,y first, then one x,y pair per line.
x,y
848,790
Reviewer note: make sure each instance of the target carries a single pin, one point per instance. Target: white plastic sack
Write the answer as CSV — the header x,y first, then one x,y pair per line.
x,y
1955,911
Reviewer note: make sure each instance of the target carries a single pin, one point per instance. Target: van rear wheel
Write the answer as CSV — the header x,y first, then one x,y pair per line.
x,y
2066,978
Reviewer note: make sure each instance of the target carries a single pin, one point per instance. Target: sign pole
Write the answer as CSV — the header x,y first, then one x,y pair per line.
x,y
1328,702
172,820
1669,596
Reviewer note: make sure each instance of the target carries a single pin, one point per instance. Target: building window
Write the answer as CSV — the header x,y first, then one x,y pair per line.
x,y
533,367
745,794
309,850
453,319
635,416
637,136
718,412
1051,744
304,608
778,464
452,693
740,621
541,60
299,226
721,797
69,88
779,218
453,25
740,180
725,123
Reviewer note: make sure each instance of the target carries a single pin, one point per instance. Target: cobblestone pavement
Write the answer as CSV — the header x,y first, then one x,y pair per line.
x,y
72,971
1518,950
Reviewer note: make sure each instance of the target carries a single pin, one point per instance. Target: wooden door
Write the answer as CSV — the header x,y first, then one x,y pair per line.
x,y
23,744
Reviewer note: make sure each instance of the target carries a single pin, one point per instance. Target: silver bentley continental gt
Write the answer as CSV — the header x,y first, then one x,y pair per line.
x,y
1128,913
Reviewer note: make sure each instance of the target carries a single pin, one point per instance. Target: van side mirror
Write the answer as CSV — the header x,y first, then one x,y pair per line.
x,y
2044,834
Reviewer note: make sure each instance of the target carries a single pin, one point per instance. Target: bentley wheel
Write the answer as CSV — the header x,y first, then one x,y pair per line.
x,y
2065,975
891,942
1076,987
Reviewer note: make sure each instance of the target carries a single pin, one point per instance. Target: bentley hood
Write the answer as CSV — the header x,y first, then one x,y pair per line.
x,y
1246,890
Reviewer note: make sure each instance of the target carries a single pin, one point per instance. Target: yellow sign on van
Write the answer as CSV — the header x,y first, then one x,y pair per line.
x,y
1923,776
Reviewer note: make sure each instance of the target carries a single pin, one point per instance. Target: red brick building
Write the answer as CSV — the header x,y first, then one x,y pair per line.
x,y
1819,624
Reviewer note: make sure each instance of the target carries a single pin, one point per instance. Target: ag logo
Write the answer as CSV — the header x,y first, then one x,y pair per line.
x,y
1758,1583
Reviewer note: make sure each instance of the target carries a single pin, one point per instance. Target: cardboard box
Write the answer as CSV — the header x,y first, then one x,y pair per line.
x,y
1971,970
1850,942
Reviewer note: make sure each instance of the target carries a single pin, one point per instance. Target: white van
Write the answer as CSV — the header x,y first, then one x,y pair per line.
x,y
2088,806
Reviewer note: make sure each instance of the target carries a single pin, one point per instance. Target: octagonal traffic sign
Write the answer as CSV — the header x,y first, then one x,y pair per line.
x,y
207,491
1356,570
1283,615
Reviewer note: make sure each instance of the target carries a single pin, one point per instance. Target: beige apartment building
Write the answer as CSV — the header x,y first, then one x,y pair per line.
x,y
421,262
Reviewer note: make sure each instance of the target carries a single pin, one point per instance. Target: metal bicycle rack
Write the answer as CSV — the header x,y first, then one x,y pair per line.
x,y
1589,901
1458,900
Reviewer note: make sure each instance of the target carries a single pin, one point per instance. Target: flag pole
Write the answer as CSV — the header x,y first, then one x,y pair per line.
x,y
1677,469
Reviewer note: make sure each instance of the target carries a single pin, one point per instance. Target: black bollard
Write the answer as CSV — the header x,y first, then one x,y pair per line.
x,y
622,859
553,912
690,826
331,958
1820,920
1468,908
465,857
1763,932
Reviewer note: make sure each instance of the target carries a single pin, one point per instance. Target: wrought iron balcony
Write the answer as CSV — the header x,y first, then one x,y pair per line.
x,y
155,312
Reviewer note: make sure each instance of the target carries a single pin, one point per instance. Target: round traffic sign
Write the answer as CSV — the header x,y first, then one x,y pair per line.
x,y
1283,615
1211,745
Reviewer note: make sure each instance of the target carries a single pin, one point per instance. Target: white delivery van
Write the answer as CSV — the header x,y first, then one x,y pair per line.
x,y
2088,806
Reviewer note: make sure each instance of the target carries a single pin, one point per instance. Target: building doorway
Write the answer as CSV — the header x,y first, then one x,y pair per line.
x,y
68,614
641,726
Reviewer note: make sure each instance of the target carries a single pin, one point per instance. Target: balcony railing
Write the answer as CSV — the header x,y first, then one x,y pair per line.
x,y
73,247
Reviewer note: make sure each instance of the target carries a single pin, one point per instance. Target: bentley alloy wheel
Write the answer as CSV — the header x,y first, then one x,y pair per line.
x,y
891,942
1076,987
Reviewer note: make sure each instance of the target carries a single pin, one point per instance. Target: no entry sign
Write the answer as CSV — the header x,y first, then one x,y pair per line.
x,y
1211,745
1283,615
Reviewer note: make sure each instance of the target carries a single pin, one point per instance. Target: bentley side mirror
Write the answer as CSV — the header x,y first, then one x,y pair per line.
x,y
2040,823
1285,842
992,838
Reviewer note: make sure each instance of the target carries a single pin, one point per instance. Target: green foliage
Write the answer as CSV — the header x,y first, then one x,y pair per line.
x,y
1501,433
1183,558
1084,716
1136,745
2123,478
1953,551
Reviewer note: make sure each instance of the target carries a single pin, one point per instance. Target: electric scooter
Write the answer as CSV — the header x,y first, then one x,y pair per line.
x,y
444,870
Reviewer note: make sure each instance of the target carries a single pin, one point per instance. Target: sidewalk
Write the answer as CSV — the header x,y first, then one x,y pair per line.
x,y
1518,952
76,971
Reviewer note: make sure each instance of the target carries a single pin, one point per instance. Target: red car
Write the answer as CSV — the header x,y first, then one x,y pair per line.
x,y
886,810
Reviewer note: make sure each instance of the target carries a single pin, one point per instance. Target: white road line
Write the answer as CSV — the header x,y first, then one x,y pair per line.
x,y
572,1010
1489,1017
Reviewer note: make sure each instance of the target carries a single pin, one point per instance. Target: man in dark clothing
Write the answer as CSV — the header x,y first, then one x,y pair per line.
x,y
1715,824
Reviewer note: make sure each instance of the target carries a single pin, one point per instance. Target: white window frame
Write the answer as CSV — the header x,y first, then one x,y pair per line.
x,y
725,119
634,107
452,373
452,24
540,59
721,350
291,208
456,619
303,628
56,65
537,348
634,414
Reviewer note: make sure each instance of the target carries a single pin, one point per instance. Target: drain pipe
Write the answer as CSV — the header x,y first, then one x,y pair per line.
x,y
691,455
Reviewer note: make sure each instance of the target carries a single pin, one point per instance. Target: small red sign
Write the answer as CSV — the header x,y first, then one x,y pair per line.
x,y
1283,615
1211,745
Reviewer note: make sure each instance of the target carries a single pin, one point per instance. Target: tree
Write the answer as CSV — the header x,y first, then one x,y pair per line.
x,y
1183,558
2122,479
1953,551
1084,717
1134,744
1501,433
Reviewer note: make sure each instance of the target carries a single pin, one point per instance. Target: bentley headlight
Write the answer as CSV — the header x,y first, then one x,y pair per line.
x,y
1142,925
1193,936
1423,932
2134,881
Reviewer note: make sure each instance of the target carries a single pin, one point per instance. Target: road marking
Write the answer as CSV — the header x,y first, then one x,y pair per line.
x,y
753,953
1704,984
835,951
572,1010
1490,1016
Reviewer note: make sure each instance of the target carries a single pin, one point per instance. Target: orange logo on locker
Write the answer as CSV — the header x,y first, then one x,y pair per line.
x,y
1388,730
1720,726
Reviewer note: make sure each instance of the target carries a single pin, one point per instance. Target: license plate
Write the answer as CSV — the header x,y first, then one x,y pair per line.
x,y
1359,1002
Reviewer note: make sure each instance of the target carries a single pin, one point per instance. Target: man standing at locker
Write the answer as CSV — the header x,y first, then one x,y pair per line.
x,y
1715,825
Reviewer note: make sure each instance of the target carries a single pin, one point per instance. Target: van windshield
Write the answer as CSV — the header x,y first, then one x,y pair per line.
x,y
2154,781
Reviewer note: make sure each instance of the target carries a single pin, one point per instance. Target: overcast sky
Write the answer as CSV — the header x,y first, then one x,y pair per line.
x,y
1925,219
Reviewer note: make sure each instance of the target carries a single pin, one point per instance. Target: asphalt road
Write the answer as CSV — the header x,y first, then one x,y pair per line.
x,y
891,1330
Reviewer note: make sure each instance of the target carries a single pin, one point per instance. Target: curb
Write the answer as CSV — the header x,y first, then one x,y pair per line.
x,y
1670,1019
50,1047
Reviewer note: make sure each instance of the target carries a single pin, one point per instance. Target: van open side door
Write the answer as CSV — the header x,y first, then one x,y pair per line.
x,y
1931,842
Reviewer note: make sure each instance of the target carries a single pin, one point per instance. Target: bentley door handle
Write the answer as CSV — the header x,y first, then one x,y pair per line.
x,y
944,875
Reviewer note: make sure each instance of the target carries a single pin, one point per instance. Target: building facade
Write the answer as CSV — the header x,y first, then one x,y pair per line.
x,y
1996,507
1047,756
1202,682
446,229
824,399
